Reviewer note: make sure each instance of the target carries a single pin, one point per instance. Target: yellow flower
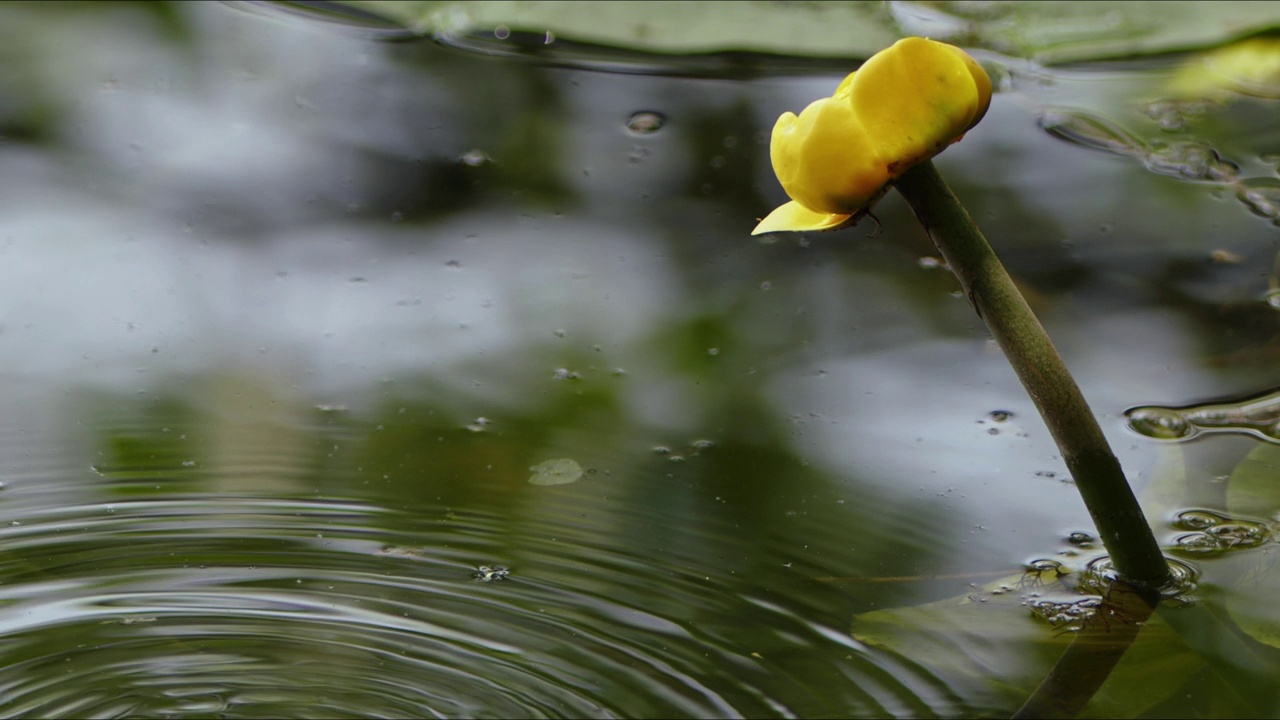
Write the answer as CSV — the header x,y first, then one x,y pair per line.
x,y
902,107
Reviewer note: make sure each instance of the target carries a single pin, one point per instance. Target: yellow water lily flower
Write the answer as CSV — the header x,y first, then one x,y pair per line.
x,y
903,106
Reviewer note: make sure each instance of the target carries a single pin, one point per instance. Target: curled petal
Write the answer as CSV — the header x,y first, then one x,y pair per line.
x,y
917,97
903,106
824,159
794,217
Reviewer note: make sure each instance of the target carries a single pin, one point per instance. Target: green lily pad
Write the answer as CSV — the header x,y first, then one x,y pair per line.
x,y
1050,33
855,29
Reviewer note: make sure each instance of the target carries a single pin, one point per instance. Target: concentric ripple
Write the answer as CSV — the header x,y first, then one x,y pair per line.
x,y
212,606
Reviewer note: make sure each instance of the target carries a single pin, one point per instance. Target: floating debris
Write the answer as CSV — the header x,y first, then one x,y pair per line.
x,y
487,573
560,471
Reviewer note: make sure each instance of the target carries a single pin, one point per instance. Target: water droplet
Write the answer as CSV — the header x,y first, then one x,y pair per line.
x,y
713,351
646,122
999,415
1159,423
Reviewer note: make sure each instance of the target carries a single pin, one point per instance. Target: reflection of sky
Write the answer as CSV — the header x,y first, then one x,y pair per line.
x,y
211,215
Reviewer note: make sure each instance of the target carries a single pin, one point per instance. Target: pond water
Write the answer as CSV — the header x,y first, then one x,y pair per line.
x,y
351,377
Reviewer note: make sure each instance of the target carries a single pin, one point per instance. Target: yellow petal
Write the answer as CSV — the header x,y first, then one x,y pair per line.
x,y
903,106
794,217
824,159
981,81
916,97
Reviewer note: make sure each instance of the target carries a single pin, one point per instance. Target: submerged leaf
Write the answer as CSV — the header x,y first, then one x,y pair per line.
x,y
1254,490
560,471
985,652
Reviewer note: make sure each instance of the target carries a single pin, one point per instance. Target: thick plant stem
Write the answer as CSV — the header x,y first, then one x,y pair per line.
x,y
1121,525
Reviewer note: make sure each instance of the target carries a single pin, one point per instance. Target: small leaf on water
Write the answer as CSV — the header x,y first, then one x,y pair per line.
x,y
559,471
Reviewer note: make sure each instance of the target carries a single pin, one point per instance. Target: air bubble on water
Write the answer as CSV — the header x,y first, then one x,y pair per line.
x,y
713,351
702,444
559,332
1184,578
645,122
661,450
999,415
548,38
1240,534
564,374
1159,423
1197,519
502,32
188,463
478,425
930,263
1080,539
1197,543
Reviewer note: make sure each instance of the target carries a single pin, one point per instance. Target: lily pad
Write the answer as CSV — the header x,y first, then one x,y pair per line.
x,y
855,29
1050,33
560,471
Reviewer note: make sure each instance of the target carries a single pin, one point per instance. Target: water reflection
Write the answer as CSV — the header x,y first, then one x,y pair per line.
x,y
290,316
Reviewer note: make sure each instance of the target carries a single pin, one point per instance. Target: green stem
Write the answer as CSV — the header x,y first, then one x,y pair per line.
x,y
1121,525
